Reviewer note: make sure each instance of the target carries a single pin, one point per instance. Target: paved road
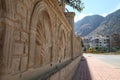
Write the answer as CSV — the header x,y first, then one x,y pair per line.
x,y
113,60
96,67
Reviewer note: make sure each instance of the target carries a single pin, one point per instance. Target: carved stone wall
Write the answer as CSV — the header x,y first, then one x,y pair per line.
x,y
77,48
35,36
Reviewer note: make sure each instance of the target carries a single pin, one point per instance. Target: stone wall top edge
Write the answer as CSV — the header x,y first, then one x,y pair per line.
x,y
59,13
70,14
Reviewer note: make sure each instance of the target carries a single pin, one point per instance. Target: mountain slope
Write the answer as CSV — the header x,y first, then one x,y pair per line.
x,y
88,24
110,25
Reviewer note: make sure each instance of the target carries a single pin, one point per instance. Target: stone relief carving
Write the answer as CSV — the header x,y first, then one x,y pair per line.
x,y
37,35
43,40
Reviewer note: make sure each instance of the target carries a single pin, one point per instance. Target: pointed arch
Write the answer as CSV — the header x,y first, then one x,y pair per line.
x,y
61,44
40,38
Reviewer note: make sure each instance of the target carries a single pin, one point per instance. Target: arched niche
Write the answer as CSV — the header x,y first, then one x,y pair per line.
x,y
40,36
43,39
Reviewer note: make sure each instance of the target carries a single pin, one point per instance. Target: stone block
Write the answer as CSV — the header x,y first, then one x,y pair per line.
x,y
24,37
24,27
24,62
26,48
15,65
62,74
17,35
21,10
18,48
55,77
16,77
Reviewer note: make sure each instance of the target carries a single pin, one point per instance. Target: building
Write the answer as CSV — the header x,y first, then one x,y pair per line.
x,y
100,41
115,41
97,41
109,43
86,43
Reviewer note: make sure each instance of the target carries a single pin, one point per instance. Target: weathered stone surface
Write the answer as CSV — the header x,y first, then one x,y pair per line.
x,y
57,77
17,35
18,48
24,37
67,72
1,45
15,65
23,64
35,36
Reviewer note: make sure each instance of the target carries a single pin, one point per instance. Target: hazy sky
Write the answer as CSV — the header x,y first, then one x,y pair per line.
x,y
101,7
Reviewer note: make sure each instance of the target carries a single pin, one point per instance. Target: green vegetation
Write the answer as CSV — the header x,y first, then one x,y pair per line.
x,y
115,49
118,52
98,50
106,50
82,43
76,4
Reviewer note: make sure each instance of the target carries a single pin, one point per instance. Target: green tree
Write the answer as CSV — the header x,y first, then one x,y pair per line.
x,y
96,48
82,44
76,4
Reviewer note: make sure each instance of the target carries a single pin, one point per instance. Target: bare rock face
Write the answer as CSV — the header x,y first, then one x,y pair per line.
x,y
35,36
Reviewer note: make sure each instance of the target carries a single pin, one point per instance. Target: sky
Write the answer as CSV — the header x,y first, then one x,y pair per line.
x,y
93,7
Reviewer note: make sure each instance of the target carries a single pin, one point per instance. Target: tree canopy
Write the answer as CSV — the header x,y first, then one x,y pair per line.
x,y
76,4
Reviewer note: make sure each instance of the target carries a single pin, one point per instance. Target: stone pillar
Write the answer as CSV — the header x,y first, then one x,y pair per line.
x,y
70,18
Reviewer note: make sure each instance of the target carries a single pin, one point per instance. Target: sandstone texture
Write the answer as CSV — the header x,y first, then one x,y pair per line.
x,y
35,36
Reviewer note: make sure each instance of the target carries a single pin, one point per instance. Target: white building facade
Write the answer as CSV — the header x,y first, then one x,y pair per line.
x,y
100,41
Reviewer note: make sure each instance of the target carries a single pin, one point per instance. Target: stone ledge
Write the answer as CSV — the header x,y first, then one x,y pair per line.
x,y
54,70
